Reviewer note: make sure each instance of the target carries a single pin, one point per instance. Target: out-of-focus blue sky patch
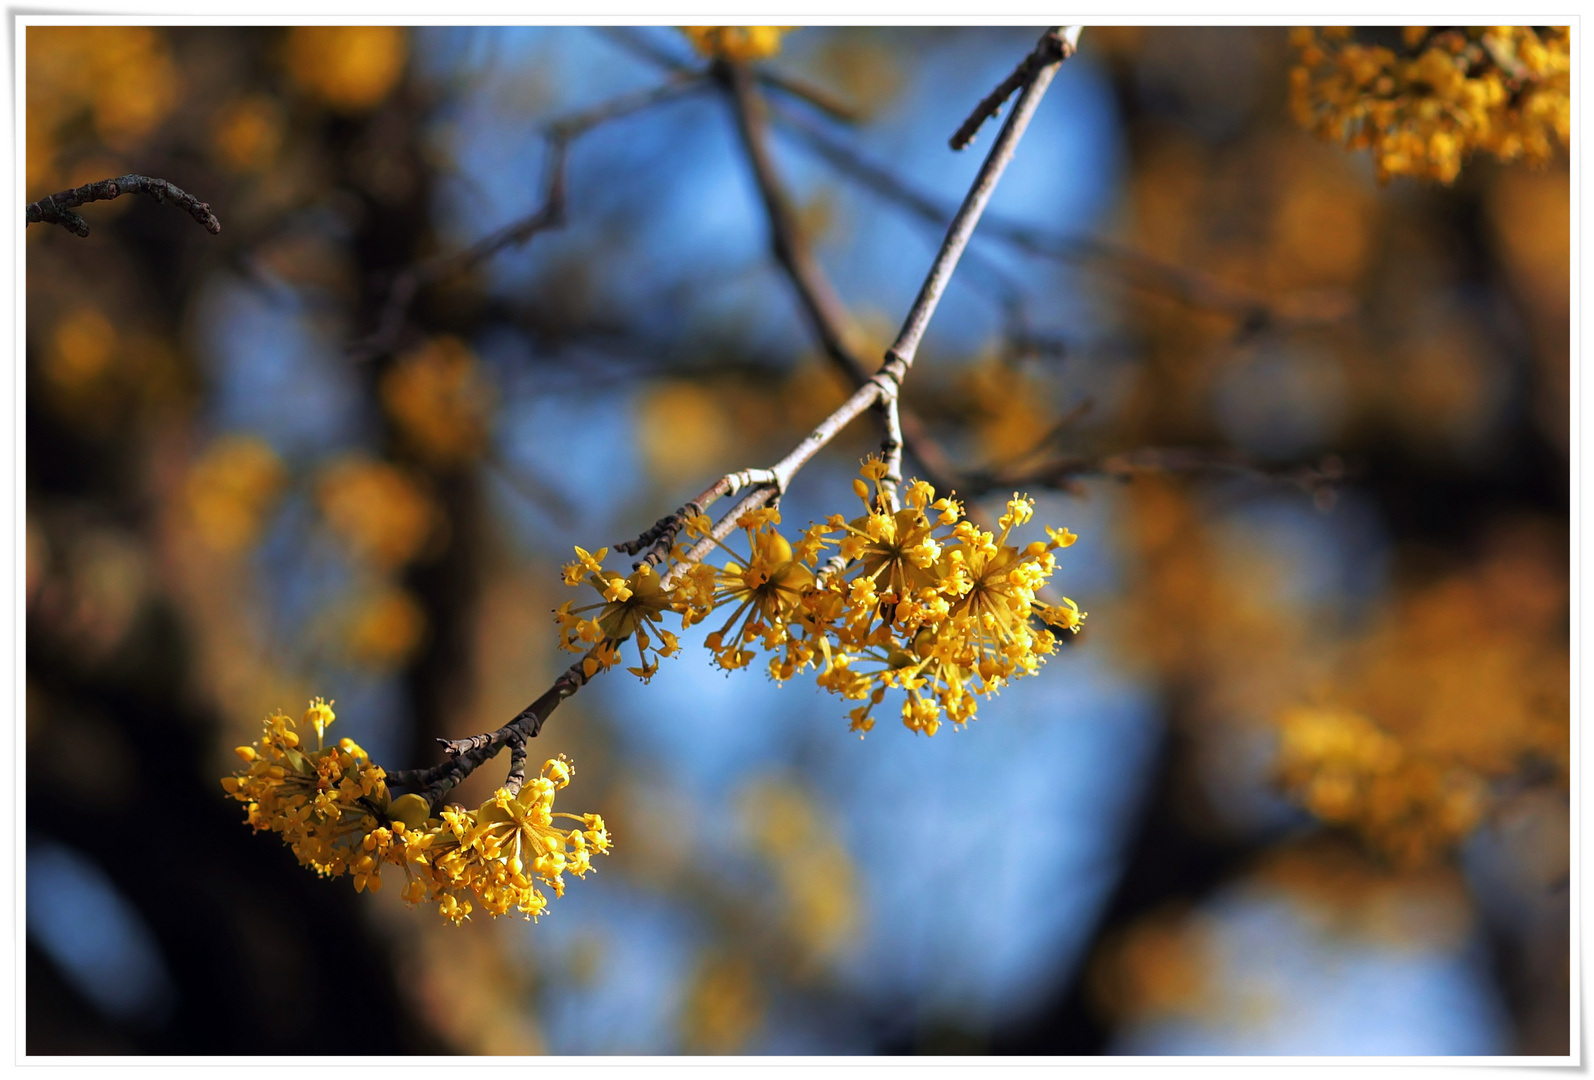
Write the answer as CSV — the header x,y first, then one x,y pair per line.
x,y
96,938
641,951
271,375
373,710
987,851
582,445
1283,987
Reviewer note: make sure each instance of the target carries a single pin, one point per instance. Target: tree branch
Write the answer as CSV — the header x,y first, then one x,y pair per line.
x,y
1321,481
558,135
57,209
761,485
1057,44
826,314
1134,268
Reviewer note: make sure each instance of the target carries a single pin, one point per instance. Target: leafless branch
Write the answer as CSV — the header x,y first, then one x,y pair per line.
x,y
57,209
1058,44
1321,480
808,93
1134,268
1040,77
558,135
826,313
464,756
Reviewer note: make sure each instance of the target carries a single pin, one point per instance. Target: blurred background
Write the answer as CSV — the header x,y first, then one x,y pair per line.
x,y
1300,786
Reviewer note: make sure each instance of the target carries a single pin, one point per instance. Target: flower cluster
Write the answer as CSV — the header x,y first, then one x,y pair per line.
x,y
918,600
1501,89
331,806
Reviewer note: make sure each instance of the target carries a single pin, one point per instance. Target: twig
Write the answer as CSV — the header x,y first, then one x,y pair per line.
x,y
1057,44
1321,480
544,497
761,485
558,135
57,209
517,764
464,756
891,445
968,215
1136,269
819,98
826,314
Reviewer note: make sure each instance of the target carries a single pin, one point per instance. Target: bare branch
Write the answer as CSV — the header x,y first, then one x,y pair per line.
x,y
968,215
826,314
1134,268
1321,481
517,764
1057,44
57,209
891,445
558,135
464,756
810,94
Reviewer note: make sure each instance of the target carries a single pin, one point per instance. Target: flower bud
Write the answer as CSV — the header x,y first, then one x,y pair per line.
x,y
411,809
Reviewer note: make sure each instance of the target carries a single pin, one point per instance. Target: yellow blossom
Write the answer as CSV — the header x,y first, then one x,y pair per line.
x,y
1504,90
331,807
736,42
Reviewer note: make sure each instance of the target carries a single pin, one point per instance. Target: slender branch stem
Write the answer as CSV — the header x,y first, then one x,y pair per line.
x,y
826,314
891,446
558,135
968,215
1320,480
57,209
1058,44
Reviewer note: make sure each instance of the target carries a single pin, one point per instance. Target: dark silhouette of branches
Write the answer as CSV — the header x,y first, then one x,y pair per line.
x,y
1136,269
550,214
57,209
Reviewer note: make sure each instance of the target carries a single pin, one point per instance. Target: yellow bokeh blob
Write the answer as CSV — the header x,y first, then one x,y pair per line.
x,y
349,68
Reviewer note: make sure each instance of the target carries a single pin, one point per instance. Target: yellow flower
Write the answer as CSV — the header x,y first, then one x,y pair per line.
x,y
331,807
633,607
737,43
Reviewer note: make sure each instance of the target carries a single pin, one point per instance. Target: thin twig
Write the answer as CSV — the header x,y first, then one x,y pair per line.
x,y
1057,44
891,444
810,94
464,756
557,135
57,209
1321,480
826,313
517,764
968,215
1136,269
543,496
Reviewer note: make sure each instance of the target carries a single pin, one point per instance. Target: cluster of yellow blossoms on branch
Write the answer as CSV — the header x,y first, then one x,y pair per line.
x,y
1501,89
330,805
918,600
